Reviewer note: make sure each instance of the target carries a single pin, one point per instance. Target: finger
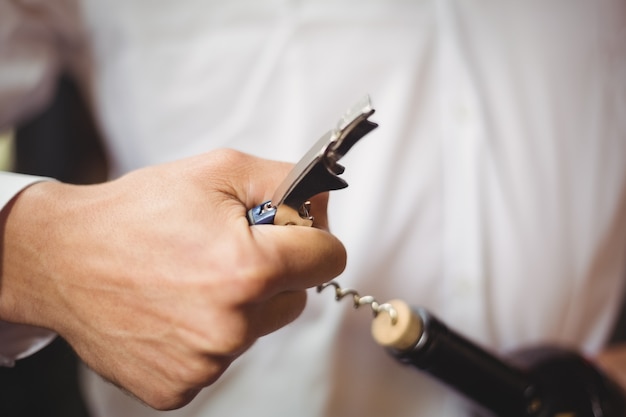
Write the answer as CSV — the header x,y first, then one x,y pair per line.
x,y
303,256
257,178
278,311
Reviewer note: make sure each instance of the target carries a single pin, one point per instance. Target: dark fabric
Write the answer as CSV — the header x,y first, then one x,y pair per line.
x,y
63,141
43,385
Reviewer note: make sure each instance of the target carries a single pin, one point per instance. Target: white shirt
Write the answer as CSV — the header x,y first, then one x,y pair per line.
x,y
493,193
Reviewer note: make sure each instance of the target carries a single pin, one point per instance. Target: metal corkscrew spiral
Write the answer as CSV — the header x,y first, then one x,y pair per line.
x,y
359,300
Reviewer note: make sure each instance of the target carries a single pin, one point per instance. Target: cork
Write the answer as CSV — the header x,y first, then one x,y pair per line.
x,y
402,335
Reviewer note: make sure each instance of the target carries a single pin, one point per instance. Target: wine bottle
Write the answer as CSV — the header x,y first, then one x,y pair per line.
x,y
543,381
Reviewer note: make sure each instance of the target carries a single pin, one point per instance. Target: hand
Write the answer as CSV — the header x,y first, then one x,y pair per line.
x,y
613,362
156,279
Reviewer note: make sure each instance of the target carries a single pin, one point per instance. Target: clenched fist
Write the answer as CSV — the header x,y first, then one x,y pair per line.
x,y
156,279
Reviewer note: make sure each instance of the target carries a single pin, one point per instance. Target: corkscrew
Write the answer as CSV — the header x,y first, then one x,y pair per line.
x,y
318,171
400,328
359,301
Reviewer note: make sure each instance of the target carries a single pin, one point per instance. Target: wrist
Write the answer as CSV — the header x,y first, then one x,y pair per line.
x,y
27,224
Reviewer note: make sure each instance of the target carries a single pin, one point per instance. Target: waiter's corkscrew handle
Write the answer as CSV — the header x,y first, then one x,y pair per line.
x,y
318,171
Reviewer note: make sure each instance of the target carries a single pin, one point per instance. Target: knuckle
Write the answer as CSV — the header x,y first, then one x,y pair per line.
x,y
226,335
186,381
256,278
236,340
199,376
166,401
230,157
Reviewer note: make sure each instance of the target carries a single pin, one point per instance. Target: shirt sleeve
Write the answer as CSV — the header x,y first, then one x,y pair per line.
x,y
17,340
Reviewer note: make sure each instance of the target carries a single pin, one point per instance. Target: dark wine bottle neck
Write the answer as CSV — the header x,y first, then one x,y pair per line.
x,y
482,377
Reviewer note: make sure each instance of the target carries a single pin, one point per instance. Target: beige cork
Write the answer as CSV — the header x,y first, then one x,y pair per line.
x,y
401,335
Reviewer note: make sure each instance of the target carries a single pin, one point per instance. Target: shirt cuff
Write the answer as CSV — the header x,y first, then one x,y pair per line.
x,y
18,341
11,184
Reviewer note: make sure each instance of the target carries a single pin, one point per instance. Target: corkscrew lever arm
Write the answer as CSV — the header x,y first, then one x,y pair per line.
x,y
318,170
